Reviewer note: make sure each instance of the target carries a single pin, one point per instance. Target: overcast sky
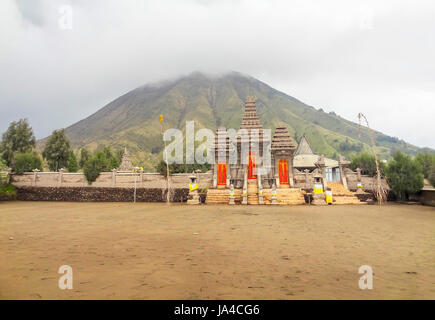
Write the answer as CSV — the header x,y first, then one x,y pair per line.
x,y
375,57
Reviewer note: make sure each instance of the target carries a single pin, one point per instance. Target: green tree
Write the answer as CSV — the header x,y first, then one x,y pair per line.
x,y
432,175
3,172
84,157
181,168
3,166
347,146
366,162
26,162
111,158
94,166
426,160
404,175
17,138
119,153
72,162
57,150
173,168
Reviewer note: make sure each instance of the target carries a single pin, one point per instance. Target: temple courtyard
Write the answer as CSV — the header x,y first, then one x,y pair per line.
x,y
155,251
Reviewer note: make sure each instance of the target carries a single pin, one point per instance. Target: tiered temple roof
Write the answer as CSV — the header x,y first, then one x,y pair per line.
x,y
250,122
250,118
126,164
281,141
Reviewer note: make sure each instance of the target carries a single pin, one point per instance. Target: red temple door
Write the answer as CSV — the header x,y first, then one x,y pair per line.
x,y
222,174
252,166
283,171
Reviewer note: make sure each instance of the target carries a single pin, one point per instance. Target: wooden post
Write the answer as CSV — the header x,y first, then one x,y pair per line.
x,y
358,174
228,175
167,164
278,185
114,177
60,176
291,172
35,173
215,176
141,178
260,190
341,162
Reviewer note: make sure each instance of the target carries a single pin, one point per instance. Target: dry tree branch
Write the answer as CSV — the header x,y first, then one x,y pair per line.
x,y
380,192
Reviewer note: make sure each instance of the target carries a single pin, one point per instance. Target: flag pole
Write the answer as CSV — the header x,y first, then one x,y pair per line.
x,y
167,164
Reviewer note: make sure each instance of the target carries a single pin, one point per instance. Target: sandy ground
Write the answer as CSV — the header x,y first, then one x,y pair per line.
x,y
151,251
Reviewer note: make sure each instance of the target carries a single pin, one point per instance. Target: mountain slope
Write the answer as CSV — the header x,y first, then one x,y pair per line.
x,y
132,119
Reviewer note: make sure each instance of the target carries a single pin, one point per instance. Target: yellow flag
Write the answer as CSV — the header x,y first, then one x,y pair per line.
x,y
161,118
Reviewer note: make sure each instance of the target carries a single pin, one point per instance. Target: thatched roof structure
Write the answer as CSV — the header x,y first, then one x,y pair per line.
x,y
309,161
304,147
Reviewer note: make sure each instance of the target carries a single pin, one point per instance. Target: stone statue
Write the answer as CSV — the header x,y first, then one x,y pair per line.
x,y
318,192
260,195
274,198
193,197
232,194
244,196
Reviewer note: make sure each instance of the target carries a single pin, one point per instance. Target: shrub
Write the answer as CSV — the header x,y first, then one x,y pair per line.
x,y
97,164
26,162
181,168
348,146
112,159
4,177
366,162
72,163
8,192
57,150
432,175
17,138
426,160
404,175
84,157
92,170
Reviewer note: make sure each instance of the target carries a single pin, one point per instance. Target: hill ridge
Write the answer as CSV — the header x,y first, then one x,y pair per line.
x,y
217,100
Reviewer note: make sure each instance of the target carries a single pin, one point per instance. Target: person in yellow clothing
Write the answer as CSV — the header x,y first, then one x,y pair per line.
x,y
328,196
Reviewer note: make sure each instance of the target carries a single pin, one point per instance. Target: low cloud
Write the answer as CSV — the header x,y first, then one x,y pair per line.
x,y
344,56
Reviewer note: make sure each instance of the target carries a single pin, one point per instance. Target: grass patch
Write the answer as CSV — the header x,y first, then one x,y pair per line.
x,y
8,192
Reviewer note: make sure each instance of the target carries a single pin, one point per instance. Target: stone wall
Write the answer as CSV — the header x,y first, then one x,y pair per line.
x,y
306,181
427,197
108,180
367,182
155,180
88,194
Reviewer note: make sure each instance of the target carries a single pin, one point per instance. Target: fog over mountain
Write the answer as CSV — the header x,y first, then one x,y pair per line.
x,y
343,56
212,101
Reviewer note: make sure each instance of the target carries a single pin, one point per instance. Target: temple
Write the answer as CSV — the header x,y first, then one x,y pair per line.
x,y
242,176
252,179
126,165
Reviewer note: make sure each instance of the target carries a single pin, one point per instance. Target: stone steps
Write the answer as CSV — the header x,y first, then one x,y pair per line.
x,y
252,192
340,195
290,196
222,196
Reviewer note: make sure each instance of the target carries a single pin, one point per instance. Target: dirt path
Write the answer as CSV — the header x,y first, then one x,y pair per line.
x,y
151,251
